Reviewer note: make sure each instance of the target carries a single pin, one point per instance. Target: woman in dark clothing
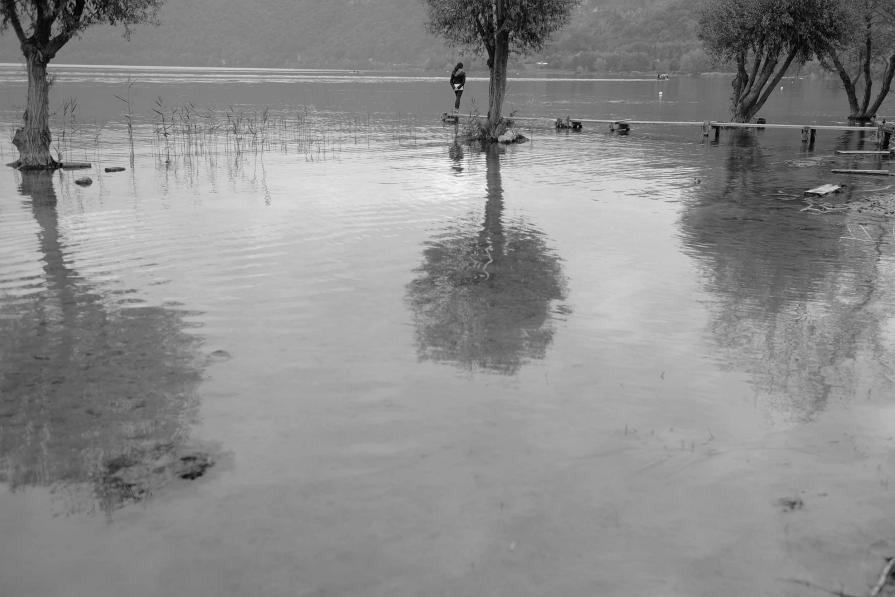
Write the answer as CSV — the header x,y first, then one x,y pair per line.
x,y
458,80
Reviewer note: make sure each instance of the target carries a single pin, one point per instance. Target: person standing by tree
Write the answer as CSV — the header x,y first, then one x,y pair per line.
x,y
458,80
496,28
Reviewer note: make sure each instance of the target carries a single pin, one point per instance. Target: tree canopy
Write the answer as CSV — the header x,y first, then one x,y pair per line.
x,y
473,24
763,38
50,24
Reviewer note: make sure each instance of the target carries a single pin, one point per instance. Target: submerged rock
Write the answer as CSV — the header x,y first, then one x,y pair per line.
x,y
220,355
512,136
193,466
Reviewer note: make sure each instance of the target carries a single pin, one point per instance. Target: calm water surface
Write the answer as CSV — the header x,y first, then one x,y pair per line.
x,y
587,365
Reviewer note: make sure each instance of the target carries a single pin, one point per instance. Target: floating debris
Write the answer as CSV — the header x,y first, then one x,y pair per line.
x,y
114,169
805,162
825,189
75,165
791,504
885,577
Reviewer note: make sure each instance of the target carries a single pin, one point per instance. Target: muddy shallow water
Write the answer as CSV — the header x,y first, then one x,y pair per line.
x,y
589,364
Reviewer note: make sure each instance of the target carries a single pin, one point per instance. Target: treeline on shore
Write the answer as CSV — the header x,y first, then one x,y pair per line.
x,y
603,36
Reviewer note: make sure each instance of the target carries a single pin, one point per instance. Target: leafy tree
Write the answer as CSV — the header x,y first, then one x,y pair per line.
x,y
43,27
763,38
498,27
868,52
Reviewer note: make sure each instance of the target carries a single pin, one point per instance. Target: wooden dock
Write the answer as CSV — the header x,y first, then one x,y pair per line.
x,y
809,131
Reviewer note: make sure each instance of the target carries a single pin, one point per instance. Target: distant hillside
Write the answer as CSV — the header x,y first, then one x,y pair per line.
x,y
630,35
604,36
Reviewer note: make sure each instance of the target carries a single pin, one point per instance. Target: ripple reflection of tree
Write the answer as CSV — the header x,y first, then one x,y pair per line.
x,y
792,299
483,296
84,385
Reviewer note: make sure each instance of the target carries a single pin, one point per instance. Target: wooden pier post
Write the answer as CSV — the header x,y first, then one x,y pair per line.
x,y
808,136
705,128
717,132
622,128
884,135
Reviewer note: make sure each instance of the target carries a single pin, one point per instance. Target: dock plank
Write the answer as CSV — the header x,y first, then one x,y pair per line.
x,y
862,152
872,172
824,189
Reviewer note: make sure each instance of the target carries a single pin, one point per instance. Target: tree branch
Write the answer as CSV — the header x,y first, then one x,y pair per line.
x,y
9,7
847,80
481,28
71,23
868,57
886,84
770,88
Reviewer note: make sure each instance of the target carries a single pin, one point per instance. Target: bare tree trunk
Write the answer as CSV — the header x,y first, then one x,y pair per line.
x,y
33,139
868,57
498,83
847,83
748,105
885,85
863,111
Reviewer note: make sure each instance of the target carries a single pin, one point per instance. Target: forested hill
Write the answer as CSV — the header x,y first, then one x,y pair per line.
x,y
604,36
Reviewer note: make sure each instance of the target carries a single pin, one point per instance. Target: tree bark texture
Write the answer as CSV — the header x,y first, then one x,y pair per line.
x,y
498,82
33,139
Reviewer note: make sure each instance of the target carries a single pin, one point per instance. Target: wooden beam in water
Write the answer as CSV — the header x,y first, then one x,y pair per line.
x,y
824,189
820,127
863,152
874,172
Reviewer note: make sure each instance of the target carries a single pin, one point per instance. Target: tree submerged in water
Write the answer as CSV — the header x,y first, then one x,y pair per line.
x,y
763,38
867,54
499,28
43,27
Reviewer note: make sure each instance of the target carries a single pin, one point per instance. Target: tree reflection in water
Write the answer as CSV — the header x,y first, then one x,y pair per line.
x,y
796,307
93,398
483,296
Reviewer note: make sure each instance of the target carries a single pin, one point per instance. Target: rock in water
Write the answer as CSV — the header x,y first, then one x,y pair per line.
x,y
511,136
193,466
86,181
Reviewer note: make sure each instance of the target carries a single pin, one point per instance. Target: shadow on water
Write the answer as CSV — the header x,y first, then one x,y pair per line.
x,y
796,305
484,291
455,151
94,403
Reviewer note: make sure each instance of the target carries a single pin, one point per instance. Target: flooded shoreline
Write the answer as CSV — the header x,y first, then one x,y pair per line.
x,y
587,364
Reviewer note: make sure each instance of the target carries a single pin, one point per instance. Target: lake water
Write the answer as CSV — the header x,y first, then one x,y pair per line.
x,y
590,364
